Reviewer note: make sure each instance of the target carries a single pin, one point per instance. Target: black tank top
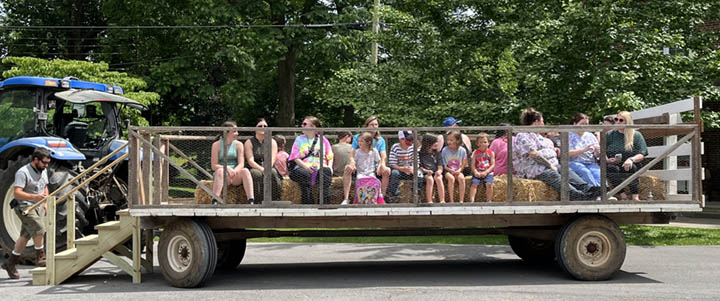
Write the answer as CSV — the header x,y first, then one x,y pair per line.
x,y
257,150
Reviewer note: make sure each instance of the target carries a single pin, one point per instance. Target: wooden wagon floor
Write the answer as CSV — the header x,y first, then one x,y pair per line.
x,y
460,209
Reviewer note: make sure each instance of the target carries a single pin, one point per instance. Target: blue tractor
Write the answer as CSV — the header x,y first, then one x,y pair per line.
x,y
79,122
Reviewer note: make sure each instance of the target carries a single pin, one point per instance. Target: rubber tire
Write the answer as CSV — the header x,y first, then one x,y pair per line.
x,y
588,231
231,253
531,250
57,176
202,247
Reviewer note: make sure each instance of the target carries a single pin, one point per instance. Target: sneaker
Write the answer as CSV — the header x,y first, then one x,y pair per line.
x,y
345,202
251,201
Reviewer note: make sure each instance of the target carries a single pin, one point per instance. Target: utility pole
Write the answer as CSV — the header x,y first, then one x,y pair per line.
x,y
376,30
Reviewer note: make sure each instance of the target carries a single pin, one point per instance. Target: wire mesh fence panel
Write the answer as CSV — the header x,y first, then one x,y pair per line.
x,y
245,166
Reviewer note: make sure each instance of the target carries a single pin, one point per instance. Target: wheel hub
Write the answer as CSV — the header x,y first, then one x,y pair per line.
x,y
594,248
180,254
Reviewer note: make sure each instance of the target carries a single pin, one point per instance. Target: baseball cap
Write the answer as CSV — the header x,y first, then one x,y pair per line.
x,y
450,121
407,135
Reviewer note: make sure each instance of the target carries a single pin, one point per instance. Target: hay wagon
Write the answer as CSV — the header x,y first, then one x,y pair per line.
x,y
170,188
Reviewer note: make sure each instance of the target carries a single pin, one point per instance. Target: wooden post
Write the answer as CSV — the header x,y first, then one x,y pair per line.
x,y
165,167
50,242
149,249
509,132
321,174
157,173
225,166
133,191
267,166
564,168
416,197
603,166
697,141
70,218
136,250
147,168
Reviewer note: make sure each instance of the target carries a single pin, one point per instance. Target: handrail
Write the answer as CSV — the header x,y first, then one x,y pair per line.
x,y
74,179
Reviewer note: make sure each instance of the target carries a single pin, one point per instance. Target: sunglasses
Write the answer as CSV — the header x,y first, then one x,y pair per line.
x,y
46,162
262,126
619,119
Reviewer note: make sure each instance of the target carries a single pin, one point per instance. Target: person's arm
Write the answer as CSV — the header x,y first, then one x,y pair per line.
x,y
473,170
577,152
250,157
22,195
240,158
329,155
214,161
466,142
545,162
274,151
492,164
351,162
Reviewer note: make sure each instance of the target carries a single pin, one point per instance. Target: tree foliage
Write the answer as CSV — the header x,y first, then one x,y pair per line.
x,y
480,61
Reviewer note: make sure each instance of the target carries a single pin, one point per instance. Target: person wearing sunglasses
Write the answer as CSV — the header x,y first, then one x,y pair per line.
x,y
626,149
30,187
256,157
305,157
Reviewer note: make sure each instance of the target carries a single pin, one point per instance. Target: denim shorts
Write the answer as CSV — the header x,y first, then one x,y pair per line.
x,y
488,179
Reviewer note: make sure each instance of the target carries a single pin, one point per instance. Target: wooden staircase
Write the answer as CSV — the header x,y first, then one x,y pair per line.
x,y
84,252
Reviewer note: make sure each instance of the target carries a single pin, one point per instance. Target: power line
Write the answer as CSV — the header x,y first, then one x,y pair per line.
x,y
359,26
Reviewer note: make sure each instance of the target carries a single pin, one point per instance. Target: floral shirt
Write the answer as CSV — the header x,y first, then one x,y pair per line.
x,y
523,144
301,147
578,142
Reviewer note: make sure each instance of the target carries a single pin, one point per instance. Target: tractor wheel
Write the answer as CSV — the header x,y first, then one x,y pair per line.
x,y
187,253
231,253
533,250
10,223
591,247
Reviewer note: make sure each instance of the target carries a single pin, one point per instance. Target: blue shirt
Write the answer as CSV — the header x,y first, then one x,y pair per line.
x,y
378,144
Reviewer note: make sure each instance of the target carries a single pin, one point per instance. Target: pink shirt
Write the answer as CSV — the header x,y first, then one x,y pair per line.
x,y
499,147
281,163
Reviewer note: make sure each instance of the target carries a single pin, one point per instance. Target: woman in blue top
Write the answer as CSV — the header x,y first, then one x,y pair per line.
x,y
236,171
584,147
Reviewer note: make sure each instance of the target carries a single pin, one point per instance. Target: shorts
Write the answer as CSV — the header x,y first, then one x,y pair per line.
x,y
32,224
488,179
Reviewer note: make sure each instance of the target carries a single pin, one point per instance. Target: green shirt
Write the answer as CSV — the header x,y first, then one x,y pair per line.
x,y
232,155
616,145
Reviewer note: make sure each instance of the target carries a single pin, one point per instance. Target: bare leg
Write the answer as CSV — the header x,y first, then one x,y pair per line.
x,y
347,181
635,197
428,189
385,175
473,191
451,186
38,240
245,178
461,186
218,181
489,192
20,244
440,188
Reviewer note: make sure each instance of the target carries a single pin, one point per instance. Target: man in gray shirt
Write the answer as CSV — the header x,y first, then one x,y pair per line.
x,y
30,187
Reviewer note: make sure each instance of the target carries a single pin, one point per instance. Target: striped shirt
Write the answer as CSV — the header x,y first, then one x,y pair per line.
x,y
399,156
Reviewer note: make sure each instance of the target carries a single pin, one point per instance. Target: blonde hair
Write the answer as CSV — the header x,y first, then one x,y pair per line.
x,y
368,138
629,133
482,135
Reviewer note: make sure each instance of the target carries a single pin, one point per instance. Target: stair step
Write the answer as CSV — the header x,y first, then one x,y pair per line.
x,y
108,226
38,276
124,212
40,270
67,254
87,240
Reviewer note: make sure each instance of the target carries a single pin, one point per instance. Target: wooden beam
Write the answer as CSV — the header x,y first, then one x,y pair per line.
x,y
70,219
564,168
50,242
120,263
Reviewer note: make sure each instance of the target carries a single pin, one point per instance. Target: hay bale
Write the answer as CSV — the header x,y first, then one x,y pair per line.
x,y
524,190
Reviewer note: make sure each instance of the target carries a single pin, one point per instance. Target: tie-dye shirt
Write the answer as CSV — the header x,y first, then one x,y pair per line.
x,y
301,147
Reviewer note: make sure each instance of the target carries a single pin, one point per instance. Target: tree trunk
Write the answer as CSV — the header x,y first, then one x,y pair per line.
x,y
286,87
349,116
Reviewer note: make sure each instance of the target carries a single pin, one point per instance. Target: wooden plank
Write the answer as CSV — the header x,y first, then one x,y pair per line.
x,y
157,173
147,156
50,246
148,262
510,195
70,219
603,166
673,107
564,168
667,175
165,185
679,197
133,161
119,262
683,150
267,166
137,249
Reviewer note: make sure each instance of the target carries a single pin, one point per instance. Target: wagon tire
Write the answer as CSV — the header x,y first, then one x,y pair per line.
x,y
532,250
231,253
591,247
187,253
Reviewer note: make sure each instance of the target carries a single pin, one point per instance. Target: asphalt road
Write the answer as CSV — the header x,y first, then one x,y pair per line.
x,y
400,272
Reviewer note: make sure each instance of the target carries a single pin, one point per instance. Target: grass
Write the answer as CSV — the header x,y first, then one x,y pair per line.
x,y
634,235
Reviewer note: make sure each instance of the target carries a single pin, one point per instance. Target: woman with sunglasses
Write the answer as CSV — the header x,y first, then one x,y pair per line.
x,y
305,155
626,149
256,156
